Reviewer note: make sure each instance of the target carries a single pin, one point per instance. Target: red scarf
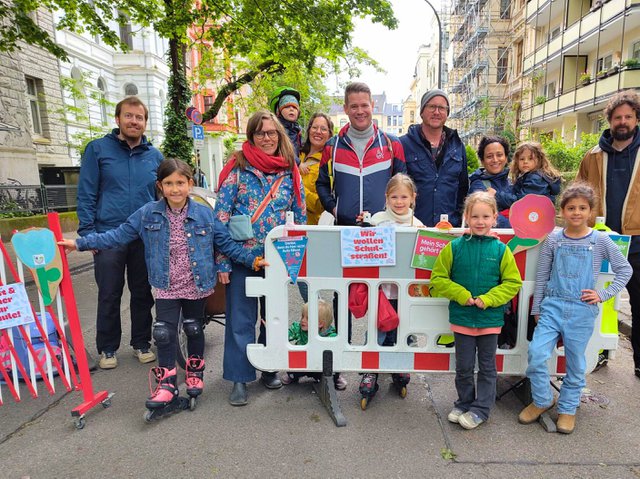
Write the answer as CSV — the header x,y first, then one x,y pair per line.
x,y
265,163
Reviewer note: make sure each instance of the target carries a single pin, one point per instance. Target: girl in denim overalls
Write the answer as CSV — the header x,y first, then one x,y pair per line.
x,y
179,235
565,303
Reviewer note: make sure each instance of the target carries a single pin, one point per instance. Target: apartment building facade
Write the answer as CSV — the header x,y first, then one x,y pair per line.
x,y
579,53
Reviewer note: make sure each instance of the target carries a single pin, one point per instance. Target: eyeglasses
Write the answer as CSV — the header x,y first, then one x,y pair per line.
x,y
321,129
433,108
261,135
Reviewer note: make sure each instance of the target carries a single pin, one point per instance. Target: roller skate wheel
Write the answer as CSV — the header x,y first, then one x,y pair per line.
x,y
148,416
192,404
363,403
403,392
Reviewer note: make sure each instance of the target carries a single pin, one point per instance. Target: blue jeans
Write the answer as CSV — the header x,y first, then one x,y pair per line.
x,y
109,269
574,321
241,316
479,400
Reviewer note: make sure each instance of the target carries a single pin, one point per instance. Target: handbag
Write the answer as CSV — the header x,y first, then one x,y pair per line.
x,y
241,226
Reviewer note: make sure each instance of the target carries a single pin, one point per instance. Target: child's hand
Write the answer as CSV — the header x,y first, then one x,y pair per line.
x,y
69,245
536,318
304,169
262,263
223,278
470,302
480,304
589,296
491,191
360,217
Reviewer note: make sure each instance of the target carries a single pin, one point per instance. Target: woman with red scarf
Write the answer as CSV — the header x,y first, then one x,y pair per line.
x,y
262,182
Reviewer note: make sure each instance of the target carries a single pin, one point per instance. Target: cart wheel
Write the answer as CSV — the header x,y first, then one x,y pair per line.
x,y
80,422
403,392
106,403
192,404
148,416
363,403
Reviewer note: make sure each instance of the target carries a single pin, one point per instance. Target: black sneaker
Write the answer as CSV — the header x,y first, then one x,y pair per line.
x,y
603,360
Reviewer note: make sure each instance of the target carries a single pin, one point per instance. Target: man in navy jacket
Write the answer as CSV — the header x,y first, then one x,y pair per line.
x,y
437,162
117,177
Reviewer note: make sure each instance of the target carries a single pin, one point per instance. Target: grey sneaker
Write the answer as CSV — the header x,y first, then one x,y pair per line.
x,y
454,415
144,355
108,360
470,420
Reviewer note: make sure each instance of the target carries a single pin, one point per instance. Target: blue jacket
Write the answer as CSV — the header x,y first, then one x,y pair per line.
x,y
242,192
534,183
343,183
150,223
480,180
115,181
439,191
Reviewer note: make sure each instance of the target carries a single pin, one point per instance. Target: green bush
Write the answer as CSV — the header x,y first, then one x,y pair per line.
x,y
472,159
565,157
68,222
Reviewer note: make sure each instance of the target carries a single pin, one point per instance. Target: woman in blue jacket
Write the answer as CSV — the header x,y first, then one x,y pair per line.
x,y
179,237
260,181
493,175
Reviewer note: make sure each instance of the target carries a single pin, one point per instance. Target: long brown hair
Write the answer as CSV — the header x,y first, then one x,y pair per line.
x,y
285,148
536,150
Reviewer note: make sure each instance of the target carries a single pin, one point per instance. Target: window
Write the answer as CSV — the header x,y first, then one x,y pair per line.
x,y
412,117
604,63
550,90
130,89
126,36
102,101
389,121
554,33
505,9
518,63
503,65
635,50
208,103
34,87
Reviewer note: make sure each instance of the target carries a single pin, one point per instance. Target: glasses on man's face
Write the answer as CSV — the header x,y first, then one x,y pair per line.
x,y
321,129
434,108
261,135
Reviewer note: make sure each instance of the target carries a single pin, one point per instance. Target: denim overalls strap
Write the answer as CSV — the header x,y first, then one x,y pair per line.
x,y
572,269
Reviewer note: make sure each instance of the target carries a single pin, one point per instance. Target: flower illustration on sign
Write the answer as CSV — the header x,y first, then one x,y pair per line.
x,y
532,219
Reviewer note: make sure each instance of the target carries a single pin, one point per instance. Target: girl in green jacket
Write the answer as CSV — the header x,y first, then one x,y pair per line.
x,y
478,274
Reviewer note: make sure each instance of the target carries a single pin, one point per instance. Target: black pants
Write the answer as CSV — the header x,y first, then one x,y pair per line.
x,y
168,312
109,267
633,286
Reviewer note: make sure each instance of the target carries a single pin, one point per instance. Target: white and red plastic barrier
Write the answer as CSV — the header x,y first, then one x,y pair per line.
x,y
46,358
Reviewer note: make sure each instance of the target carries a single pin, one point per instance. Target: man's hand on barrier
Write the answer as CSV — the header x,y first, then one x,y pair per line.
x,y
223,278
68,244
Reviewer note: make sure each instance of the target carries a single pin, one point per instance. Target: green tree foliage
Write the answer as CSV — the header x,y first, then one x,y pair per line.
x,y
565,157
472,159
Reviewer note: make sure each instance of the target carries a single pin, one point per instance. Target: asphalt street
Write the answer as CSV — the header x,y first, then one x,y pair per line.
x,y
288,433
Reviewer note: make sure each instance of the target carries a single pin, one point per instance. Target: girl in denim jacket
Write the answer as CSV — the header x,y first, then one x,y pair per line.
x,y
179,235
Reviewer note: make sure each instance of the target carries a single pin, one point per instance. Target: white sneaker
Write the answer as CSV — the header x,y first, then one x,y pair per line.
x,y
470,420
144,355
454,415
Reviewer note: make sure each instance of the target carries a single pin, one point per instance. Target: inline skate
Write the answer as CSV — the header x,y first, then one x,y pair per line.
x,y
195,371
368,388
400,381
165,397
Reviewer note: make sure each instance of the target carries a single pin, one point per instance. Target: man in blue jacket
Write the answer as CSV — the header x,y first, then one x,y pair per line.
x,y
117,177
437,162
358,162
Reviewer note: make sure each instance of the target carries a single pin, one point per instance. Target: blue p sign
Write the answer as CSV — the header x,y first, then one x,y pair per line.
x,y
197,132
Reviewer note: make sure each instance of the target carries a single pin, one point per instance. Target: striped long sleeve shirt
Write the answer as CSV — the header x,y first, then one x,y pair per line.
x,y
604,248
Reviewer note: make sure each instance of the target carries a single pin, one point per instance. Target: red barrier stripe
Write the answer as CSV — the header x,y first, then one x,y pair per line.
x,y
9,383
370,360
372,272
500,362
431,361
561,365
297,359
422,273
303,266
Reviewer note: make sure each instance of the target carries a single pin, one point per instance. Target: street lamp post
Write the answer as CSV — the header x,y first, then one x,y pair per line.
x,y
439,44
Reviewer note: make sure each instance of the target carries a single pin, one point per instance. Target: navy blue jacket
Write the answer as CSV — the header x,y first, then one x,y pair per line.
x,y
533,182
115,181
357,187
480,180
439,191
150,223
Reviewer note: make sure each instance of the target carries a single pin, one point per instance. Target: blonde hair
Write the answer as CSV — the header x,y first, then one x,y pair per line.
x,y
479,197
398,180
536,150
325,313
